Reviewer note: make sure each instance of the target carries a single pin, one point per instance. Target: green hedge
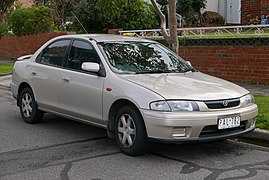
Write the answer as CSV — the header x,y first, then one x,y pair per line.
x,y
31,21
4,29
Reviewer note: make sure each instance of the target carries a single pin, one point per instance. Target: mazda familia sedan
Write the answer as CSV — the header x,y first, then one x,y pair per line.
x,y
139,90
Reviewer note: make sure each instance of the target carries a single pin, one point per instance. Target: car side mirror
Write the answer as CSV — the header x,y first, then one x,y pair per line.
x,y
90,67
189,63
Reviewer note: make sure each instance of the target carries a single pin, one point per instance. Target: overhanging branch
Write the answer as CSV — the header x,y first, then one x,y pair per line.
x,y
162,17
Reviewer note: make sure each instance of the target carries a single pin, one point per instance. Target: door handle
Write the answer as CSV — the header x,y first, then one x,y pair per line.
x,y
65,80
33,73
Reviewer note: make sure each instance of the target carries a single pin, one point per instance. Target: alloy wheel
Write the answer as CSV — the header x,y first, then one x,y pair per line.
x,y
126,131
27,105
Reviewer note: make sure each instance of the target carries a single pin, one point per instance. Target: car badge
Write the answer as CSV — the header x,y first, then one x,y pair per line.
x,y
225,103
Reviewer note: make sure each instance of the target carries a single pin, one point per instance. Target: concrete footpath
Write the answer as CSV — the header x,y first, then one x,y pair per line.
x,y
5,82
258,136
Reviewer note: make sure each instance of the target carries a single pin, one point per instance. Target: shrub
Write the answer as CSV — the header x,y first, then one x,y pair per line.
x,y
4,28
31,21
137,16
100,15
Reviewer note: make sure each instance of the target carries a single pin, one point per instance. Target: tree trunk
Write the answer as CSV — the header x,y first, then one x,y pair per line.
x,y
171,38
173,26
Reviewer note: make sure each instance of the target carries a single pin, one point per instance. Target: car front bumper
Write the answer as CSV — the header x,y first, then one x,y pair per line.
x,y
14,89
178,127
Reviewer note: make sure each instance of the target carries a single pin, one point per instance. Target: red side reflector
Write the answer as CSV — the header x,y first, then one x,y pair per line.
x,y
108,89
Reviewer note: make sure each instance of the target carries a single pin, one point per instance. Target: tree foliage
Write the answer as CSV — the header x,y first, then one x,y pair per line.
x,y
95,15
189,9
112,8
136,15
31,20
100,15
4,5
89,15
62,9
4,29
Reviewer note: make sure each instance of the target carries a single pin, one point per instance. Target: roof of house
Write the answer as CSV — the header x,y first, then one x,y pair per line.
x,y
25,3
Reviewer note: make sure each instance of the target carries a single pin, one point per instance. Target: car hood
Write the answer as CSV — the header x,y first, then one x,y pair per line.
x,y
188,86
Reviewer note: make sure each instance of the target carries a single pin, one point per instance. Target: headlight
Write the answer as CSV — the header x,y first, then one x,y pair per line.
x,y
247,100
174,106
183,106
159,106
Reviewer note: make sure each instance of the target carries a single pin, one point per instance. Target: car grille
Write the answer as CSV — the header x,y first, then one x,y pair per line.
x,y
221,104
212,130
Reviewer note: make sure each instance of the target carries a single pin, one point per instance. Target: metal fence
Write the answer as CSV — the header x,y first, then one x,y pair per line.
x,y
221,31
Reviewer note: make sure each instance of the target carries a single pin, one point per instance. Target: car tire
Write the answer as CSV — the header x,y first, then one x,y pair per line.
x,y
130,131
28,107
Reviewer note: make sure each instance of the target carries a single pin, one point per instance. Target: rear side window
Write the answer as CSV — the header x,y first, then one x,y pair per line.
x,y
54,54
81,52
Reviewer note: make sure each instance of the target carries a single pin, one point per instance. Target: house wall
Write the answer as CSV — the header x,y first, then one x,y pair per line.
x,y
222,8
264,7
25,3
212,5
233,11
249,9
252,8
228,9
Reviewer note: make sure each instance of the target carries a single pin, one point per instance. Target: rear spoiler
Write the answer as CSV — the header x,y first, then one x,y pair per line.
x,y
24,57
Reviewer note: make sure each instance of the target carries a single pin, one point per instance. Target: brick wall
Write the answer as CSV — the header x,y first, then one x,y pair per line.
x,y
15,46
241,64
249,10
264,7
252,8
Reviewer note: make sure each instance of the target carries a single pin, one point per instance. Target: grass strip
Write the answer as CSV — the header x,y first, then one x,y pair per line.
x,y
263,117
5,69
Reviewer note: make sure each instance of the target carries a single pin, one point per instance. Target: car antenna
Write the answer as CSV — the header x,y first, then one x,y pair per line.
x,y
79,22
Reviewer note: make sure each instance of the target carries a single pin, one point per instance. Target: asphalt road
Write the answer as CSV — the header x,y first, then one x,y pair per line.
x,y
61,149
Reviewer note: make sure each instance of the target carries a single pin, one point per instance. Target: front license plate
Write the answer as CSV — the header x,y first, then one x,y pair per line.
x,y
229,122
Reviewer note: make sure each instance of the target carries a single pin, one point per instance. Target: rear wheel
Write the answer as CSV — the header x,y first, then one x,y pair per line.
x,y
130,131
28,107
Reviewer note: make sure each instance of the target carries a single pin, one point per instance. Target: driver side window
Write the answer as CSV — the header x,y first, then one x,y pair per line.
x,y
81,52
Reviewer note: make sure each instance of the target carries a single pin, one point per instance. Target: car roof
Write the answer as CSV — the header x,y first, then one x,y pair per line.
x,y
104,37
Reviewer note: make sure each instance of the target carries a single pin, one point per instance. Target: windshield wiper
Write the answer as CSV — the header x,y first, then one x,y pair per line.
x,y
166,71
191,69
154,72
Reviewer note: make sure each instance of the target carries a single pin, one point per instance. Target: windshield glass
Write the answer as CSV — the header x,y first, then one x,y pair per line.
x,y
142,57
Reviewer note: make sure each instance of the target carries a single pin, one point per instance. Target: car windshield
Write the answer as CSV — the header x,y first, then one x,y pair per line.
x,y
142,57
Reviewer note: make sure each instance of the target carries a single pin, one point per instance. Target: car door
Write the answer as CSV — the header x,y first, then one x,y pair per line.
x,y
46,74
81,91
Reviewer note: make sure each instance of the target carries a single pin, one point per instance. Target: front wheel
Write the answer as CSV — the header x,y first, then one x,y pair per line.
x,y
130,131
28,107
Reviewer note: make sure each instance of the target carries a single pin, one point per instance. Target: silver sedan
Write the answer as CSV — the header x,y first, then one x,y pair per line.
x,y
137,89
